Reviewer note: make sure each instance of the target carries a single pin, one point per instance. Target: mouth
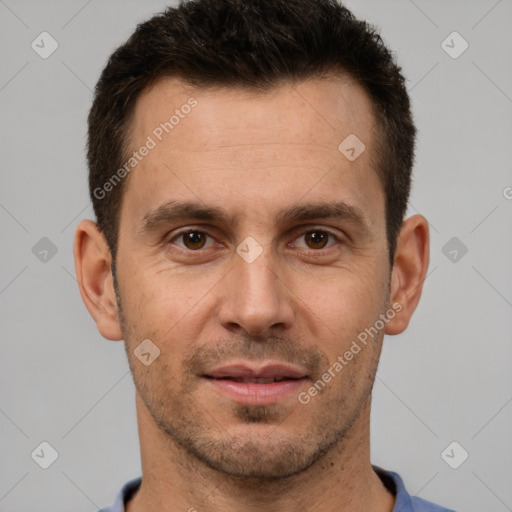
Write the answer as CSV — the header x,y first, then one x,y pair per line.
x,y
252,380
250,385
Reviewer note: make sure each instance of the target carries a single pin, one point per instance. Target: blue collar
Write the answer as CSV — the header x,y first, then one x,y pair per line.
x,y
404,502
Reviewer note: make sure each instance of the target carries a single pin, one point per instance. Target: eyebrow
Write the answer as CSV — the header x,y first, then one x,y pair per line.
x,y
173,211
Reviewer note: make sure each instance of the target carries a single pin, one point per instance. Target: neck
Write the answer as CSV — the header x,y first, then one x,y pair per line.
x,y
174,480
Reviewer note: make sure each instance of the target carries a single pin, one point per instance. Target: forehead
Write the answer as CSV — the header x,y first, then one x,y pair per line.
x,y
229,142
326,107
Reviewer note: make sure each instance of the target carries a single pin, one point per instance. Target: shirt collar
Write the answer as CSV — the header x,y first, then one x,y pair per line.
x,y
392,481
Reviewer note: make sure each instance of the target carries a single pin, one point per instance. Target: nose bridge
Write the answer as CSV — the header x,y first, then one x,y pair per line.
x,y
256,298
258,281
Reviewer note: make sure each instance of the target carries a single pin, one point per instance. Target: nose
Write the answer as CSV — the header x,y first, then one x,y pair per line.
x,y
255,298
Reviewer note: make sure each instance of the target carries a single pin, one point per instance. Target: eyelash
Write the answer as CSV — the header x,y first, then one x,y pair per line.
x,y
337,239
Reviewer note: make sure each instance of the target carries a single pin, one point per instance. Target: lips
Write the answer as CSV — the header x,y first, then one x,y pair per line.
x,y
263,374
256,380
256,385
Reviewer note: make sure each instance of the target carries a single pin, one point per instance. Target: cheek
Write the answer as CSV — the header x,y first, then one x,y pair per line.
x,y
343,317
160,301
347,300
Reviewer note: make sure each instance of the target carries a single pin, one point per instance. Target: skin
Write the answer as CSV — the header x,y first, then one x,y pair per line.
x,y
301,301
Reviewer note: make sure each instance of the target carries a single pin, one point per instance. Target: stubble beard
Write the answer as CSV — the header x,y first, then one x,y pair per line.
x,y
256,460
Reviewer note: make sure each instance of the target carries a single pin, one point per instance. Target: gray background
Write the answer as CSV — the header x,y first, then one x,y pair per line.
x,y
447,378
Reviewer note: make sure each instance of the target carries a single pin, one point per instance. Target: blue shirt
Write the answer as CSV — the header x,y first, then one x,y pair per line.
x,y
404,501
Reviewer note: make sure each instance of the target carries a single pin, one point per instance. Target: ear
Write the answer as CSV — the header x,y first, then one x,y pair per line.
x,y
409,271
92,264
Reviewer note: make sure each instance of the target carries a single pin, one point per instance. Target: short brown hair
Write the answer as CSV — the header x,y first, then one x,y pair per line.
x,y
255,44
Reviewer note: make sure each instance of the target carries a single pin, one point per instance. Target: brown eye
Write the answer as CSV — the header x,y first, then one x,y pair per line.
x,y
193,240
316,239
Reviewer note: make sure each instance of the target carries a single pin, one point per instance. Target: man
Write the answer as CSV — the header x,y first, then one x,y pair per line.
x,y
250,165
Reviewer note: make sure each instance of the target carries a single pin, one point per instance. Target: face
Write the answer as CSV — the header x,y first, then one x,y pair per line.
x,y
253,253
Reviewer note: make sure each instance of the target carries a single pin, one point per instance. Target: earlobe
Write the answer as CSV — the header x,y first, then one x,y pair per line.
x,y
409,271
92,265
